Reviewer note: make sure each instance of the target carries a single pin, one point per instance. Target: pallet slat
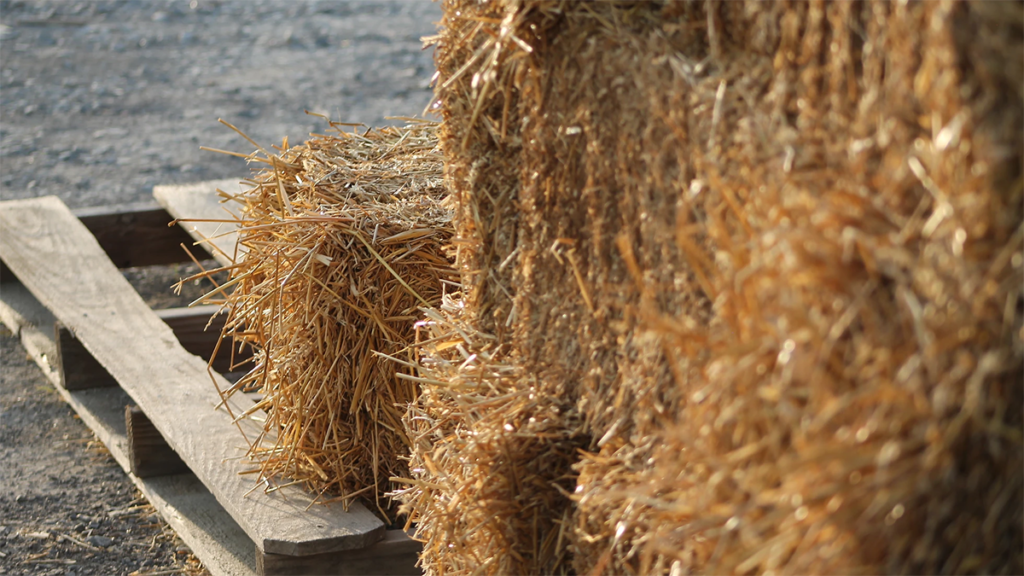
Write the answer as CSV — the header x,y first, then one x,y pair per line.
x,y
54,255
395,555
197,329
76,368
133,235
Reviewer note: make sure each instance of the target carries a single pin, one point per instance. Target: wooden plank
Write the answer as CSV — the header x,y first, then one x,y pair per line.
x,y
200,201
133,235
198,329
193,512
64,267
182,500
148,453
76,368
395,555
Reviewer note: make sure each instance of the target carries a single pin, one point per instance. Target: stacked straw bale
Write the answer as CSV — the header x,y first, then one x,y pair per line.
x,y
341,241
493,445
762,261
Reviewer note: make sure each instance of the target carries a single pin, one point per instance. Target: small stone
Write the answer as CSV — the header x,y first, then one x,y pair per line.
x,y
100,541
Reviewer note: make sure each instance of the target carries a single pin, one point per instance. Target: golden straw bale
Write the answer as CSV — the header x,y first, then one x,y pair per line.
x,y
341,241
762,259
489,477
861,410
493,445
757,236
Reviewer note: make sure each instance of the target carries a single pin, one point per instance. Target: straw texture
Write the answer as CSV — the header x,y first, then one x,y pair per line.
x,y
342,240
761,261
493,445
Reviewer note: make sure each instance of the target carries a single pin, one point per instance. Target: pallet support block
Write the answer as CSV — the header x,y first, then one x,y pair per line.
x,y
149,454
137,235
76,367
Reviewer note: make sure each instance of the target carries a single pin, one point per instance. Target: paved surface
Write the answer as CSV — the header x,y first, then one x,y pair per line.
x,y
99,102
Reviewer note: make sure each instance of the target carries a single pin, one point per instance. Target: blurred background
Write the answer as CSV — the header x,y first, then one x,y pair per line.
x,y
102,100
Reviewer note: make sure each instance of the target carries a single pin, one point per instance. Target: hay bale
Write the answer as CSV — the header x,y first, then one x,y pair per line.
x,y
766,263
841,408
493,445
806,238
489,479
341,241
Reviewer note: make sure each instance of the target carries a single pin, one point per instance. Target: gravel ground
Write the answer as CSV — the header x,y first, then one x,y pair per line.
x,y
99,102
68,507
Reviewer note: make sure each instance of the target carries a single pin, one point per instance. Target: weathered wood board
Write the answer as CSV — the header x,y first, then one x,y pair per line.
x,y
133,235
63,266
76,368
149,454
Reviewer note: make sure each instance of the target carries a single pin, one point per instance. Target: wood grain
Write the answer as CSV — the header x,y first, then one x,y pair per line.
x,y
197,329
63,266
133,235
200,201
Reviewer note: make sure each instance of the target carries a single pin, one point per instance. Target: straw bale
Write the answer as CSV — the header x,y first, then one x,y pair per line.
x,y
782,218
341,241
493,445
489,476
476,86
764,258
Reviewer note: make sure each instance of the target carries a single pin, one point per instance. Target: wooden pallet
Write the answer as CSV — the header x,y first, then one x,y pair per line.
x,y
134,377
